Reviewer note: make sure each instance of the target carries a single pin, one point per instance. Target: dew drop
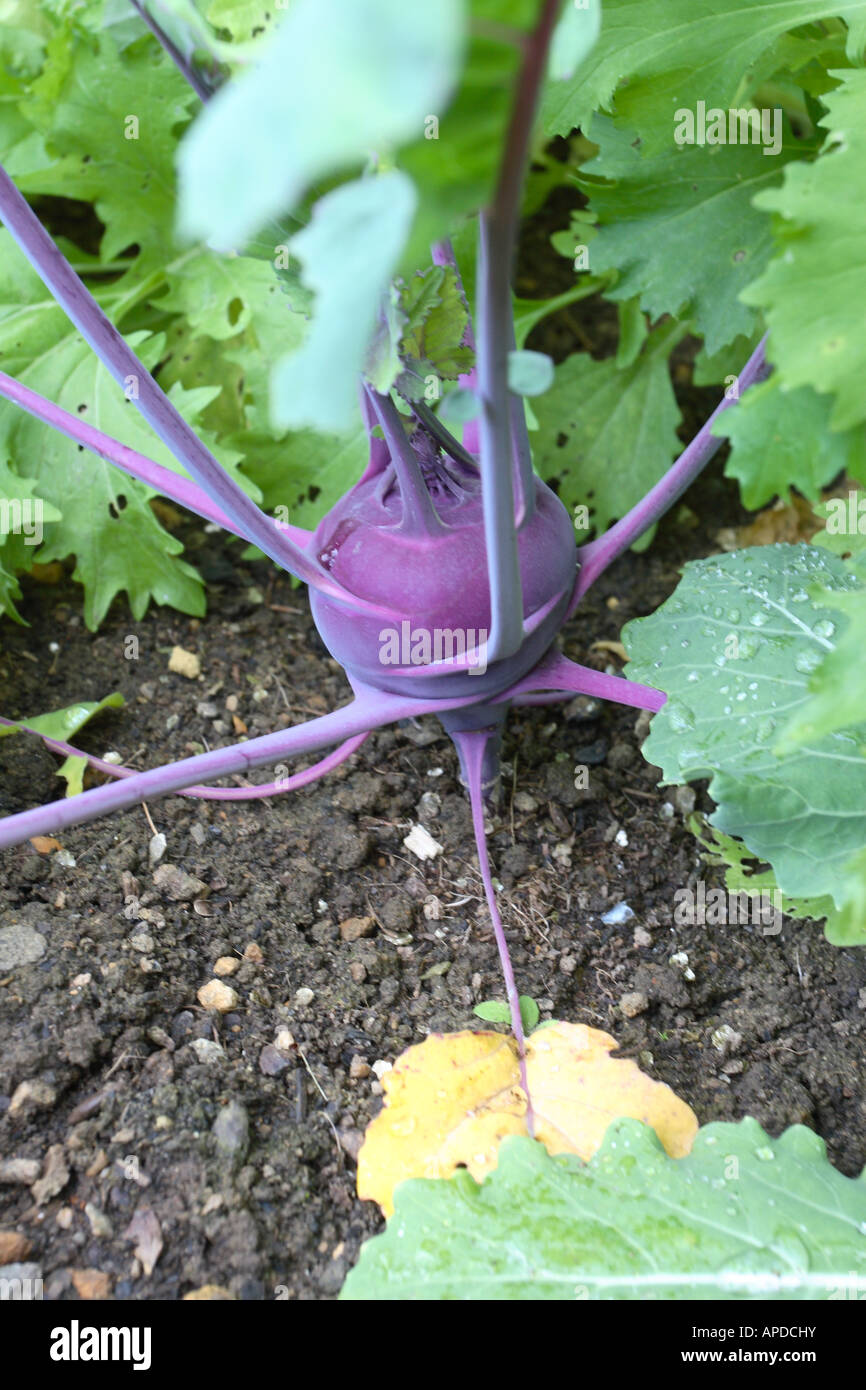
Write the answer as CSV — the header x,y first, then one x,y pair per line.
x,y
824,628
807,661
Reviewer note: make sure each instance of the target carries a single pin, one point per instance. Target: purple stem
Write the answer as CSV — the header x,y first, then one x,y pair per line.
x,y
419,515
556,673
596,555
497,491
266,789
369,710
496,245
202,89
101,335
471,745
161,479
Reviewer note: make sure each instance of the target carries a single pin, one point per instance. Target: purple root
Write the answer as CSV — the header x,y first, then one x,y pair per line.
x,y
471,746
257,793
555,673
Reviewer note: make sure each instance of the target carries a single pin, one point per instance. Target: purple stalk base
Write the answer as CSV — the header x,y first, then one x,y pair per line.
x,y
471,745
596,555
256,793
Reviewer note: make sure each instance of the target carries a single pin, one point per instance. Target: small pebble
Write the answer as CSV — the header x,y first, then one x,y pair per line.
x,y
642,937
19,1170
272,1061
355,927
359,1067
226,965
633,1004
216,995
254,953
303,996
421,843
207,1049
156,849
184,663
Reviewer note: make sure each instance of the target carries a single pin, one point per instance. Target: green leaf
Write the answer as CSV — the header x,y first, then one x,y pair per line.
x,y
574,37
783,439
529,373
845,530
339,78
493,1011
742,1216
348,253
607,435
435,323
812,290
742,876
680,226
529,1013
63,724
673,55
837,688
459,406
633,330
111,124
290,469
734,649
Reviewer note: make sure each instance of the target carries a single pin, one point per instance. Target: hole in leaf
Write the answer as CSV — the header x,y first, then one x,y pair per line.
x,y
235,309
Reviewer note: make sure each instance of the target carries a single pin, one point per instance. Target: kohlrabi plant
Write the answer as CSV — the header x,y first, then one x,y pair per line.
x,y
452,539
336,270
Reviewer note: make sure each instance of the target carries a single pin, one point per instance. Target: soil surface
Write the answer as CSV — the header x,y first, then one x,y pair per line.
x,y
173,1147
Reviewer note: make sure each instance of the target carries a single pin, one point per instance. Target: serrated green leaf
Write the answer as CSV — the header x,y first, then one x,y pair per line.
x,y
305,472
783,439
680,227
673,55
812,290
741,877
111,124
349,252
607,435
741,1216
734,649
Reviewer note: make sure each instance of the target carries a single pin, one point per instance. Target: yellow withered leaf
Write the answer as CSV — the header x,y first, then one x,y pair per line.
x,y
451,1100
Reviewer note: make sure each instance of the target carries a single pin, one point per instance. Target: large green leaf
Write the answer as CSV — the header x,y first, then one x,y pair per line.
x,y
742,1216
111,123
783,439
734,649
674,54
339,79
606,434
680,227
813,291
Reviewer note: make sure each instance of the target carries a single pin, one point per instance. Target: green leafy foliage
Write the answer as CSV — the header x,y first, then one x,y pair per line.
x,y
680,228
497,1011
811,290
607,434
675,54
741,1216
736,649
783,439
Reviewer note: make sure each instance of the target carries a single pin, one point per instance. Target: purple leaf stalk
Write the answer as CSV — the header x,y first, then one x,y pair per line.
x,y
439,581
